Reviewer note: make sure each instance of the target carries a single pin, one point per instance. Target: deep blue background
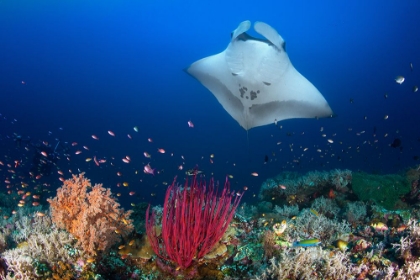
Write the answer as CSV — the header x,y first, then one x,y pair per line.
x,y
93,66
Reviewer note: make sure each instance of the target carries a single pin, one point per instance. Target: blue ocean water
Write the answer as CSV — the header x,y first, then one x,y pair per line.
x,y
74,69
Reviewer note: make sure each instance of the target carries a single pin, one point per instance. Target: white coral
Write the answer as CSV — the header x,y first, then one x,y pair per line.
x,y
42,247
311,263
287,211
308,225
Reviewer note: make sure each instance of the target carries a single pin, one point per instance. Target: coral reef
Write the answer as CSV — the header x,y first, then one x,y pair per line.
x,y
294,189
306,227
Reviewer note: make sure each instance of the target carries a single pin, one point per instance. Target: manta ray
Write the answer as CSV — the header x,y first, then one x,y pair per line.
x,y
255,82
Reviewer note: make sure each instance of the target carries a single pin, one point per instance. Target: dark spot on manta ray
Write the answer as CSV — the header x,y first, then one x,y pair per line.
x,y
253,95
267,84
242,92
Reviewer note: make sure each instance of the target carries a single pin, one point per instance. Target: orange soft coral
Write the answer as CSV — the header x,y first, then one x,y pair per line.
x,y
93,217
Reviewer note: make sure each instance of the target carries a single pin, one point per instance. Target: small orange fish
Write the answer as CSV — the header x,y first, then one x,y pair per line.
x,y
255,174
331,194
44,154
162,151
401,228
125,160
111,133
95,137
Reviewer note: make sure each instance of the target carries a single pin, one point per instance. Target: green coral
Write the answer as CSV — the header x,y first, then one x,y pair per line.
x,y
385,190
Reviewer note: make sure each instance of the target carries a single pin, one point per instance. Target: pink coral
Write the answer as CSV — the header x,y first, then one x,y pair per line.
x,y
93,217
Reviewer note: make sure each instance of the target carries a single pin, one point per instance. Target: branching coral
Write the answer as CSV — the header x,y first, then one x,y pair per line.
x,y
40,250
326,207
312,263
356,212
308,225
93,217
287,211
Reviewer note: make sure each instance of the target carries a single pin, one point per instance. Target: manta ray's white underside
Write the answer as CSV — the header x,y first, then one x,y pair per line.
x,y
255,81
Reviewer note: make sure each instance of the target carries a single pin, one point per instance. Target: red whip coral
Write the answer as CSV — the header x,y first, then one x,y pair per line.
x,y
194,219
93,217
